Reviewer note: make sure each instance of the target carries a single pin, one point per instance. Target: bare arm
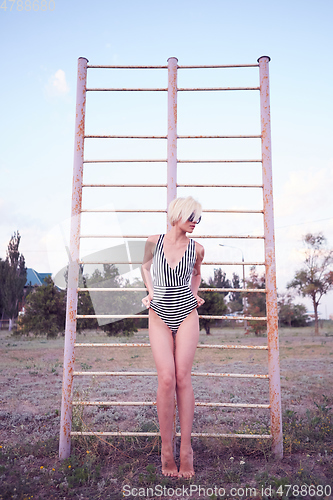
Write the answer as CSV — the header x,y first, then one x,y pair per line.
x,y
196,276
145,269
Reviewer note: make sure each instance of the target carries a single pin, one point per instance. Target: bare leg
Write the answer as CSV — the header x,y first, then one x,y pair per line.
x,y
186,342
161,342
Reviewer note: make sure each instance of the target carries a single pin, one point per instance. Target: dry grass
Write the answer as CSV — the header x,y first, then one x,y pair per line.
x,y
31,373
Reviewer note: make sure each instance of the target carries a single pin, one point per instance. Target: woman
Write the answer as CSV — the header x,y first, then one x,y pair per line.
x,y
172,301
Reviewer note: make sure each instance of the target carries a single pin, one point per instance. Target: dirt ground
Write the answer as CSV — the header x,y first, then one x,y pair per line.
x,y
31,378
31,381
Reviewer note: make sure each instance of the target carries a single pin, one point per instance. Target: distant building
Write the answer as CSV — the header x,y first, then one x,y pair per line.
x,y
34,278
310,315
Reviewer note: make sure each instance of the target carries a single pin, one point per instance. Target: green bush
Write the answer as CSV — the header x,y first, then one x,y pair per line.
x,y
45,311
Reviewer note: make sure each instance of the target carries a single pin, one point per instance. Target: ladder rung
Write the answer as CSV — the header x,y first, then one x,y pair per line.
x,y
154,374
125,210
148,210
125,136
127,89
138,316
145,236
159,89
120,289
178,434
208,89
117,66
178,185
125,185
164,161
99,136
153,403
205,66
200,346
219,137
209,66
222,185
220,161
125,161
203,263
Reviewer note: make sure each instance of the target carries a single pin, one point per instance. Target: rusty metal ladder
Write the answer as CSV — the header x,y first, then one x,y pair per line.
x,y
272,347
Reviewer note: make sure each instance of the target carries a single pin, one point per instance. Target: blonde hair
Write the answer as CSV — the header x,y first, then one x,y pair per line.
x,y
182,208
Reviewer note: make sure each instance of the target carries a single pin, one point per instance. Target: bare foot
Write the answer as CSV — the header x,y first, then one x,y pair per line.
x,y
169,467
186,469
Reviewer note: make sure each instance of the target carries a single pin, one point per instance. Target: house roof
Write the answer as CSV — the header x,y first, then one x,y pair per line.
x,y
34,278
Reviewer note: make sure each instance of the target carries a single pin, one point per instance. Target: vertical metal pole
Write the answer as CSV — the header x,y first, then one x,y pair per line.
x,y
271,298
172,131
172,168
73,268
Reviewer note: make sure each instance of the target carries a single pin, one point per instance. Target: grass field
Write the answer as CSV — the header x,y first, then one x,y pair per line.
x,y
31,378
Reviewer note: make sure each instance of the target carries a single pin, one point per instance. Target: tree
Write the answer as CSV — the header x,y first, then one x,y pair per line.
x,y
315,279
214,301
85,306
220,281
3,273
115,302
290,314
45,310
13,279
235,303
84,302
256,302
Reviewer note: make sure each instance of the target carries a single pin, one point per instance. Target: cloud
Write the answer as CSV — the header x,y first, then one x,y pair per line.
x,y
305,192
8,215
57,84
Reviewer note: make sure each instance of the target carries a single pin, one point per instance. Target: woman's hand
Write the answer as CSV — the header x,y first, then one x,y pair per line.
x,y
146,301
200,301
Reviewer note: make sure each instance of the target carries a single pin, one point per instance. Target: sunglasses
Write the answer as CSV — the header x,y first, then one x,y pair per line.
x,y
191,218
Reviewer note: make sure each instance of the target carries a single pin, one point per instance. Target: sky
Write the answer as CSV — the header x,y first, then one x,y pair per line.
x,y
40,49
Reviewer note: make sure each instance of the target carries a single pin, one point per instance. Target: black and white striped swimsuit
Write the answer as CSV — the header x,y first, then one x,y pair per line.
x,y
173,299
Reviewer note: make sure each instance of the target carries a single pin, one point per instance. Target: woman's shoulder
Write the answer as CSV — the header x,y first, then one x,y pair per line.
x,y
200,251
150,246
198,246
153,238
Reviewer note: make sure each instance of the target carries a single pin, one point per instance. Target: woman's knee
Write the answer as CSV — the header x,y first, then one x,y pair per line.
x,y
183,378
167,381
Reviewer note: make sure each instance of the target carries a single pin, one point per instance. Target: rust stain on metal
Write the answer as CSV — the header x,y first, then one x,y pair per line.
x,y
70,332
153,403
199,346
178,434
272,347
154,374
271,296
